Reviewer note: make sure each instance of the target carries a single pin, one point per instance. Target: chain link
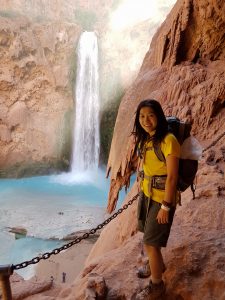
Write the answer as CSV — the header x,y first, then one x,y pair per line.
x,y
46,255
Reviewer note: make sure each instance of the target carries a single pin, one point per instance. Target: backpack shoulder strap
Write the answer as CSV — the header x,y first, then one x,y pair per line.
x,y
158,152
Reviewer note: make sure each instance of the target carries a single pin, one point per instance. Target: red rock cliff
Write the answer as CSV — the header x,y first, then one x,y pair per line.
x,y
35,76
184,70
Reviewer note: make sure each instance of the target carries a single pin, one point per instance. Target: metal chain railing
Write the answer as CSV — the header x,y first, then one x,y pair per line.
x,y
7,271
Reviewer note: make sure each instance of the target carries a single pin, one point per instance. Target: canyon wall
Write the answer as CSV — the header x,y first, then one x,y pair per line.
x,y
38,41
36,104
184,70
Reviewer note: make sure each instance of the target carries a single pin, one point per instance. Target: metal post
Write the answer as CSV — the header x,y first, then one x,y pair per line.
x,y
5,272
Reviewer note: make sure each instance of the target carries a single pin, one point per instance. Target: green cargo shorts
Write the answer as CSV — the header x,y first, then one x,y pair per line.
x,y
155,234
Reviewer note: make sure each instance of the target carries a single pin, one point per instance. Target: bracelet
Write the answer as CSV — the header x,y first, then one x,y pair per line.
x,y
166,208
167,204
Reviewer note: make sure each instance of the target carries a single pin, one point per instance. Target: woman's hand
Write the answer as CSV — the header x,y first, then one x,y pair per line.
x,y
163,216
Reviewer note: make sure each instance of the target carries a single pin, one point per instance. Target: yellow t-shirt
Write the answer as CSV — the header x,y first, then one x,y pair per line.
x,y
153,166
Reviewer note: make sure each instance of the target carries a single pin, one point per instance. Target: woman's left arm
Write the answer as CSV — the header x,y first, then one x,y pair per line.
x,y
172,165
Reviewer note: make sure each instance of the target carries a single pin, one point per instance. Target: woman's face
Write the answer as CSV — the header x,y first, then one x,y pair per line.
x,y
148,119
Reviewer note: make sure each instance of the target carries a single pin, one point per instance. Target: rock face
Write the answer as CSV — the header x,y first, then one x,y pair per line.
x,y
51,9
22,289
34,84
184,70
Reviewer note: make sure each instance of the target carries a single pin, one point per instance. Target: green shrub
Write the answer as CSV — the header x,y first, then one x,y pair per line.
x,y
85,18
66,144
107,123
73,71
9,14
34,168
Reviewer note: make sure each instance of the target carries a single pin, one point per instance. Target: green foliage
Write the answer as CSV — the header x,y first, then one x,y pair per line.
x,y
111,91
33,168
13,14
85,18
66,143
106,130
9,14
107,124
40,19
115,4
73,70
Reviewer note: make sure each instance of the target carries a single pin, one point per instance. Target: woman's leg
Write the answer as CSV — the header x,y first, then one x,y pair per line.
x,y
156,287
156,262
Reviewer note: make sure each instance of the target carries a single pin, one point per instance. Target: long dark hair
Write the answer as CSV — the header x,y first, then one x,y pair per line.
x,y
140,134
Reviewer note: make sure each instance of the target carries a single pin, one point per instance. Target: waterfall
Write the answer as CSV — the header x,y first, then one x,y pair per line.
x,y
86,138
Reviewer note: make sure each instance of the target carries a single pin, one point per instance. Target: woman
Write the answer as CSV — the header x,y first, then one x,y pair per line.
x,y
158,195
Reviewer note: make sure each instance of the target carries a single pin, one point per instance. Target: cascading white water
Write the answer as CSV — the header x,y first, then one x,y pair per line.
x,y
86,139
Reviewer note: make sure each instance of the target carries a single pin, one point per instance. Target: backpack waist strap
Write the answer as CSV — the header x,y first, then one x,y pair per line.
x,y
156,182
